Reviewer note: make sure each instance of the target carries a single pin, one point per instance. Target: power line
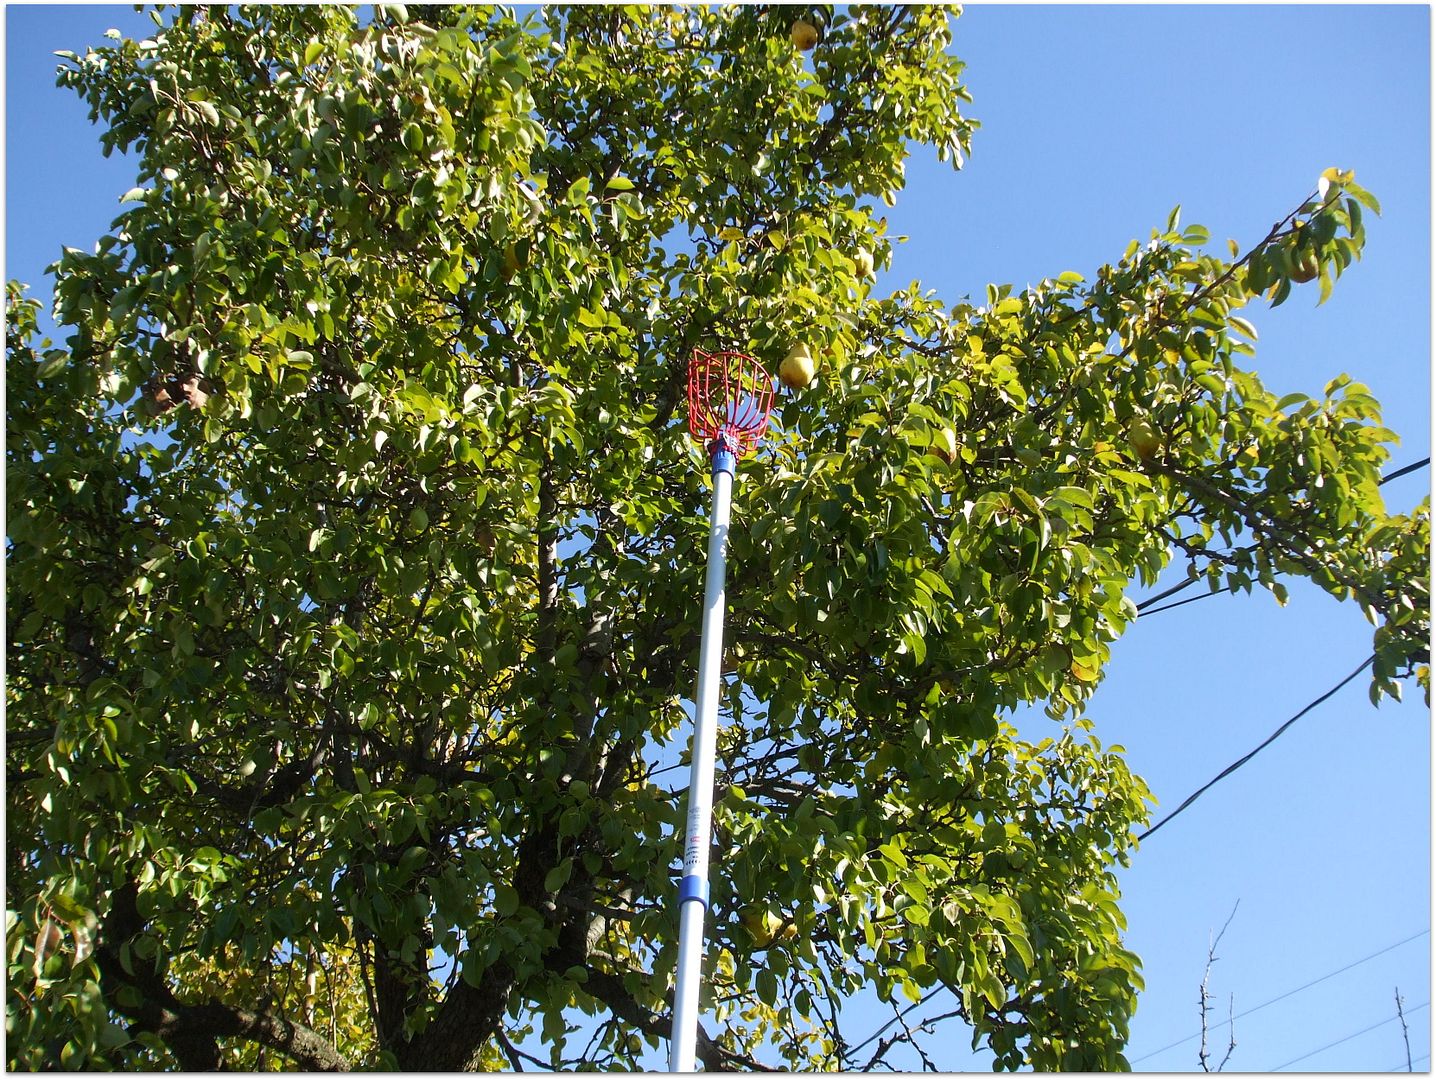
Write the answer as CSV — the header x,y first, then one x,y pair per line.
x,y
1179,603
1167,592
1234,766
1289,993
1400,1066
1409,468
1348,1038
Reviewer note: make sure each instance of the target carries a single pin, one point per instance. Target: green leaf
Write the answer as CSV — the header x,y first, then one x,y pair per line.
x,y
68,908
506,900
893,854
558,877
767,986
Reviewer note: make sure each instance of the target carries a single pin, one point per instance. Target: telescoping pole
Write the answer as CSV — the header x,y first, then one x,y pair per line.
x,y
693,890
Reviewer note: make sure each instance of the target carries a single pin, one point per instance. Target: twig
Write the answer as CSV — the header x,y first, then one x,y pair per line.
x,y
911,1040
1195,297
1231,1031
514,1054
1405,1035
1204,997
926,997
1143,605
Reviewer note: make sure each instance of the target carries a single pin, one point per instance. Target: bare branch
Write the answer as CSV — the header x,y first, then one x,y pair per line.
x,y
1203,1055
1405,1034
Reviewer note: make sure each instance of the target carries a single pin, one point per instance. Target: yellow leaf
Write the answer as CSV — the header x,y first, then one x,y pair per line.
x,y
1330,182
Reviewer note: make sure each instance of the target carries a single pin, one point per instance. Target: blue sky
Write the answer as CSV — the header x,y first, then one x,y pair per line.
x,y
1096,122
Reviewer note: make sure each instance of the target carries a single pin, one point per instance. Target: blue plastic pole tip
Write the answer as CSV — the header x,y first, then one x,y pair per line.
x,y
693,888
723,458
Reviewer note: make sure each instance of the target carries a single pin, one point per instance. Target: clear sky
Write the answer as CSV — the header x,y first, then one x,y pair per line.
x,y
1096,122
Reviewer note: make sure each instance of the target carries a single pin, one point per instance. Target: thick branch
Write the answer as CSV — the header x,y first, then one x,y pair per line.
x,y
189,1030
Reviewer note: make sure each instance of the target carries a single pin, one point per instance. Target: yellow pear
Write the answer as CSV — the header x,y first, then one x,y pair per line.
x,y
805,34
755,922
864,259
796,370
765,927
1307,267
512,262
1143,437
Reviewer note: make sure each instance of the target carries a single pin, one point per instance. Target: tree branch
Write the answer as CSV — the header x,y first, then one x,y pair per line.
x,y
1204,997
1271,527
1405,1034
610,989
191,1030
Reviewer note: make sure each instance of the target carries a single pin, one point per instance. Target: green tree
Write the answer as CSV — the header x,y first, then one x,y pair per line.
x,y
354,545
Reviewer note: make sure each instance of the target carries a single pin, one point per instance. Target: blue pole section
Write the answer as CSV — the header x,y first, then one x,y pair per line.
x,y
693,890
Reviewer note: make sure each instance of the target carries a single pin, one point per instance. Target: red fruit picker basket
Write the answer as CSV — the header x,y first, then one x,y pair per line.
x,y
729,398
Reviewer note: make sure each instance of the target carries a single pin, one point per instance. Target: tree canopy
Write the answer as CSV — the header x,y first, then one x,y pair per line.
x,y
355,543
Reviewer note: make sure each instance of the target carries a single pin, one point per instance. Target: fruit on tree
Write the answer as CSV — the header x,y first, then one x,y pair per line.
x,y
944,446
1308,265
765,927
1143,437
512,262
796,370
805,34
864,259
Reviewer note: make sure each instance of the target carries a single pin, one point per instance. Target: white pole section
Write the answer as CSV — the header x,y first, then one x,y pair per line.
x,y
693,890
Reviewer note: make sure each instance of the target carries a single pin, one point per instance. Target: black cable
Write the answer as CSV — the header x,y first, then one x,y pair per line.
x,y
1289,993
1403,471
1401,1066
1167,592
1234,766
1354,1034
1179,603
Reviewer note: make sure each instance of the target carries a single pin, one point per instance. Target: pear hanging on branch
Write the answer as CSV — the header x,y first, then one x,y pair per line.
x,y
797,369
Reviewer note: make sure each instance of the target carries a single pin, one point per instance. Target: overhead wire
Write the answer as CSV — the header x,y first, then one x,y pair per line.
x,y
1234,766
1403,471
1289,993
1179,603
1348,1038
1400,1065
